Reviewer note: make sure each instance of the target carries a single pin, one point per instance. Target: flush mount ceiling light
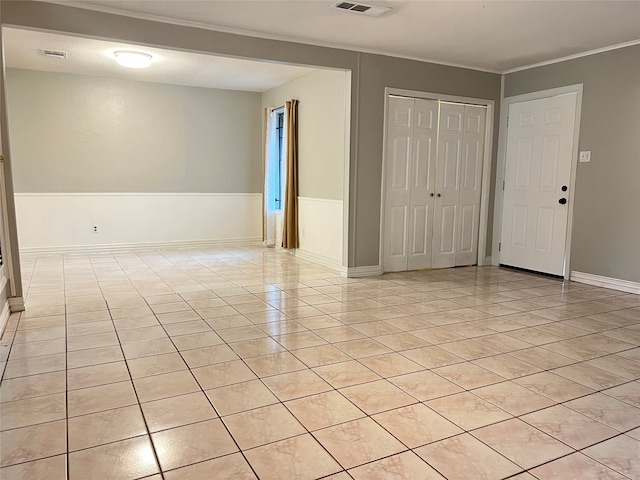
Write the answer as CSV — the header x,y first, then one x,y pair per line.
x,y
132,59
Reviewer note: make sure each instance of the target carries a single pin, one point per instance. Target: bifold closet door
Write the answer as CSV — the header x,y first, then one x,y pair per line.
x,y
409,176
433,182
458,185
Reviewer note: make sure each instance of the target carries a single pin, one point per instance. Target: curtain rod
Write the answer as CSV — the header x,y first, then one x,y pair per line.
x,y
281,106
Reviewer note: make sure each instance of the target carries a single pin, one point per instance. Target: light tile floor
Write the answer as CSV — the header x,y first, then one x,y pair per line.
x,y
237,363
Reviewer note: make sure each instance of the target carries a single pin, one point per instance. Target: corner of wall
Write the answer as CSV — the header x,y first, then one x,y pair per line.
x,y
367,271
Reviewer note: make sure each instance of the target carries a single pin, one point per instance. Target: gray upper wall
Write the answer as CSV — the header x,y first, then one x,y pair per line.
x,y
80,133
376,73
370,75
606,224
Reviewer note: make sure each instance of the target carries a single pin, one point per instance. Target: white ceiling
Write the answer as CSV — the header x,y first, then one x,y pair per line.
x,y
23,49
488,35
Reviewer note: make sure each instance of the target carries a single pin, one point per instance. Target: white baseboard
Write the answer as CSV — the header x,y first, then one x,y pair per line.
x,y
120,247
606,282
488,261
16,304
368,271
322,260
4,317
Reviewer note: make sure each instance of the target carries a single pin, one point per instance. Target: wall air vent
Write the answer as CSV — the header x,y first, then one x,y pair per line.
x,y
55,54
369,10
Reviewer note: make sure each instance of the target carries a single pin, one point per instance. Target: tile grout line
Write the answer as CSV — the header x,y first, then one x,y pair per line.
x,y
66,376
208,400
367,336
149,437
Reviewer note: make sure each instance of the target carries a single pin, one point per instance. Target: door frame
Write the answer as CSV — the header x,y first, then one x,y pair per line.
x,y
486,165
11,254
502,164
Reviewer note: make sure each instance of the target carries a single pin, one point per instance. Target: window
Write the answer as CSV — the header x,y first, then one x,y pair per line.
x,y
280,152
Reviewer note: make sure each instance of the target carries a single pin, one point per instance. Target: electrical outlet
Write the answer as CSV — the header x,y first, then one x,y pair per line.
x,y
94,228
585,156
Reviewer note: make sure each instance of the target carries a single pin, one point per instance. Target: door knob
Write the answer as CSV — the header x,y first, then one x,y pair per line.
x,y
431,194
564,188
439,194
562,201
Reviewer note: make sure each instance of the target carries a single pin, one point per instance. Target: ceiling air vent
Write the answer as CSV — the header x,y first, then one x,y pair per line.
x,y
370,10
55,54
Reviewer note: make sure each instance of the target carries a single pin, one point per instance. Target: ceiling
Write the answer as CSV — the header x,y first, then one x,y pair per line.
x,y
23,49
488,35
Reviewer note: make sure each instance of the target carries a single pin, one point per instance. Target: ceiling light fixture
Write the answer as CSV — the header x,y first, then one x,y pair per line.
x,y
132,59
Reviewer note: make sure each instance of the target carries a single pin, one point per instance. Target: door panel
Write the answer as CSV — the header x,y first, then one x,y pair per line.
x,y
468,225
538,163
451,163
544,230
398,221
420,217
519,229
424,163
447,229
398,186
549,163
400,153
470,189
423,178
447,180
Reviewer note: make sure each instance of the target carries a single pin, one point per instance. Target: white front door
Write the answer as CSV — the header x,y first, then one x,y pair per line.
x,y
537,178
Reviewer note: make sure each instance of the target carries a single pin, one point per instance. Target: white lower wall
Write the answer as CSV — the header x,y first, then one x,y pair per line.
x,y
320,224
64,220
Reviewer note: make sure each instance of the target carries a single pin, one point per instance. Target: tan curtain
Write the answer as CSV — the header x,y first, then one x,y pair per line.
x,y
290,227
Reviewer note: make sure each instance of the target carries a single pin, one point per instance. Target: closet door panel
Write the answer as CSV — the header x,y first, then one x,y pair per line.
x,y
422,183
398,183
450,150
470,185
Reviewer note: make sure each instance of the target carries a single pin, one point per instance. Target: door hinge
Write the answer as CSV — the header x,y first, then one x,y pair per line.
x,y
507,121
502,184
499,246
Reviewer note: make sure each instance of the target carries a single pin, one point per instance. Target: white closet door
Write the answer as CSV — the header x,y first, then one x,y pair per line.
x,y
397,183
433,182
537,177
447,182
425,140
470,185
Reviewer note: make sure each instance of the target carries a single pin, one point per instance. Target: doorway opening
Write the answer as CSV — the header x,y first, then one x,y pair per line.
x,y
170,142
